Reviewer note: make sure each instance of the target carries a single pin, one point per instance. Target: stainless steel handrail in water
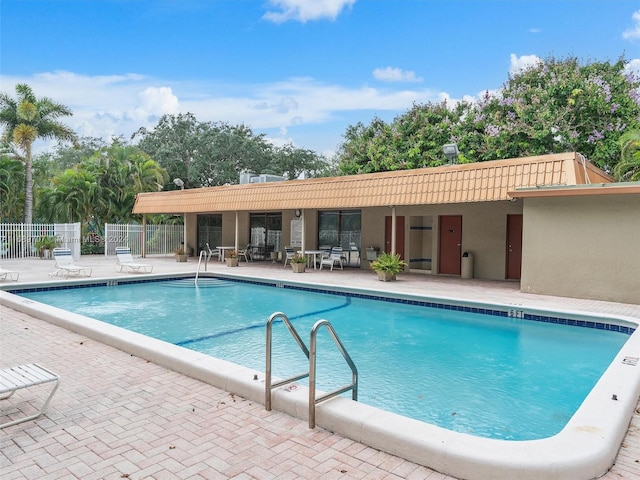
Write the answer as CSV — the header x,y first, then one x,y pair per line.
x,y
268,386
313,401
202,253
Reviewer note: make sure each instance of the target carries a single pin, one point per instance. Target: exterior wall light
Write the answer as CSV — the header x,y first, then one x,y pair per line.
x,y
450,151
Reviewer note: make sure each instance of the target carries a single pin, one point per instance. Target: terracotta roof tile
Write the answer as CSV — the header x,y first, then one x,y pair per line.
x,y
475,182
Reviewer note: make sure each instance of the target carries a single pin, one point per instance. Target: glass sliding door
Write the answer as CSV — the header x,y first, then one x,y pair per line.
x,y
265,231
209,231
341,228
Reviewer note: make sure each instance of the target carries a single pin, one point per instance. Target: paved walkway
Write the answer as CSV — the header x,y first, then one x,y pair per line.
x,y
118,416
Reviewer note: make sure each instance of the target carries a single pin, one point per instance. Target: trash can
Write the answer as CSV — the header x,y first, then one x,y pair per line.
x,y
467,265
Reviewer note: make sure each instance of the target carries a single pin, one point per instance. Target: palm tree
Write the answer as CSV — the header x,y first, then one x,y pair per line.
x,y
628,168
24,121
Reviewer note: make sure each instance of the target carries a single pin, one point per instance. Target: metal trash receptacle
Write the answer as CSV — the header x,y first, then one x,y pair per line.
x,y
467,265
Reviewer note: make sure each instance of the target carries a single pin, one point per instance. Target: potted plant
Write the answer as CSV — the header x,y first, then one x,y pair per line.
x,y
387,265
231,258
45,246
298,263
181,255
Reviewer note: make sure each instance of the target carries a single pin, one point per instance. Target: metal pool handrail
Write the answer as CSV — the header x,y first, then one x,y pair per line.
x,y
313,401
268,386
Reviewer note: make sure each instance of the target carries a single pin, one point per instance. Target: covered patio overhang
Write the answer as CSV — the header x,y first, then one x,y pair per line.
x,y
492,181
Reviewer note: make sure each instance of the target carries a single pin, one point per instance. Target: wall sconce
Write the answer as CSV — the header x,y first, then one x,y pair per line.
x,y
450,151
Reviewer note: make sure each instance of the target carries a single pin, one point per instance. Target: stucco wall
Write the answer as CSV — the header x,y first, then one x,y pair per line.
x,y
484,232
584,247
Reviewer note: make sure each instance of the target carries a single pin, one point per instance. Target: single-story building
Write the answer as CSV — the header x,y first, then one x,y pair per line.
x,y
556,223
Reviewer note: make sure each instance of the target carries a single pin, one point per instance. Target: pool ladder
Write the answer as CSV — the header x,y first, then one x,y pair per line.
x,y
311,356
206,260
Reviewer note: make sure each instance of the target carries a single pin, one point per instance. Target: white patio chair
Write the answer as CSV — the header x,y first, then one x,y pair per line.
x,y
332,259
211,252
246,253
289,252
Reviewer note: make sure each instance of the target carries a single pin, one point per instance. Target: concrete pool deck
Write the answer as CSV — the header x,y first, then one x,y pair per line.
x,y
118,415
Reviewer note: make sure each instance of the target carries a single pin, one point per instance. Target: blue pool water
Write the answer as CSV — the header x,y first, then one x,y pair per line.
x,y
486,375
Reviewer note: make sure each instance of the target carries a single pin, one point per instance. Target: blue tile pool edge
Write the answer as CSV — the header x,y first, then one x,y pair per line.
x,y
585,448
513,313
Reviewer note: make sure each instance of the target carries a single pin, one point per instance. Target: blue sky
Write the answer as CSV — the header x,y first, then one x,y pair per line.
x,y
299,71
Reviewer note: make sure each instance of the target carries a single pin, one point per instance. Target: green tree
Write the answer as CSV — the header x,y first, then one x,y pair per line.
x,y
298,162
102,188
26,119
412,140
628,168
215,153
557,106
11,189
228,150
551,107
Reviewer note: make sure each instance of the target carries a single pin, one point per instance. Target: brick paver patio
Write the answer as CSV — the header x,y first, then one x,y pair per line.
x,y
118,416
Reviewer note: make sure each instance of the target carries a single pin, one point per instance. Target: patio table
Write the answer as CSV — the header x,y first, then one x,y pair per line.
x,y
315,254
222,250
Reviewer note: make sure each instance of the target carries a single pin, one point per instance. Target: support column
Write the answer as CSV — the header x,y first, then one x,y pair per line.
x,y
144,235
393,230
303,240
237,232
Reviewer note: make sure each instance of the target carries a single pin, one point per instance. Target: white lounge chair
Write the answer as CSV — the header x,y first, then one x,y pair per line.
x,y
24,376
125,261
65,265
12,275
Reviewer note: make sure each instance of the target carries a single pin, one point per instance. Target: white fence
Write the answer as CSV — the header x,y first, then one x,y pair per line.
x,y
160,239
18,240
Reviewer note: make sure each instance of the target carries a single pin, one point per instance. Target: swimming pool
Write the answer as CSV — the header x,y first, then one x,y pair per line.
x,y
460,369
585,448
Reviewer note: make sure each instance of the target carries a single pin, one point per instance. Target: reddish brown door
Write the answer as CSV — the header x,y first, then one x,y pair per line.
x,y
449,258
514,246
399,235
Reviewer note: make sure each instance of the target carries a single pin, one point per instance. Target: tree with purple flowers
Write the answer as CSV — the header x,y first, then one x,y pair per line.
x,y
557,106
553,106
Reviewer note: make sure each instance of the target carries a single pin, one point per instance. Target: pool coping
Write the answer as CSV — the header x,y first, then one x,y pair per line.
x,y
585,448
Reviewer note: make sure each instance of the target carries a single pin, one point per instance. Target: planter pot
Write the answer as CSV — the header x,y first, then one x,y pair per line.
x,y
385,276
232,262
181,258
298,267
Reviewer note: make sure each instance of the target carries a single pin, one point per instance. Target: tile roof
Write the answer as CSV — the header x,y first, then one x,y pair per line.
x,y
473,182
625,188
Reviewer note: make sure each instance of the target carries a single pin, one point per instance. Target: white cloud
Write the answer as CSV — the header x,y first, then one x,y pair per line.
x,y
305,10
393,74
158,101
518,64
634,32
114,105
633,66
535,30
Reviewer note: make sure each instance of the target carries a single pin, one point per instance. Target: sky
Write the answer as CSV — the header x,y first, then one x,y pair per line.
x,y
297,71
